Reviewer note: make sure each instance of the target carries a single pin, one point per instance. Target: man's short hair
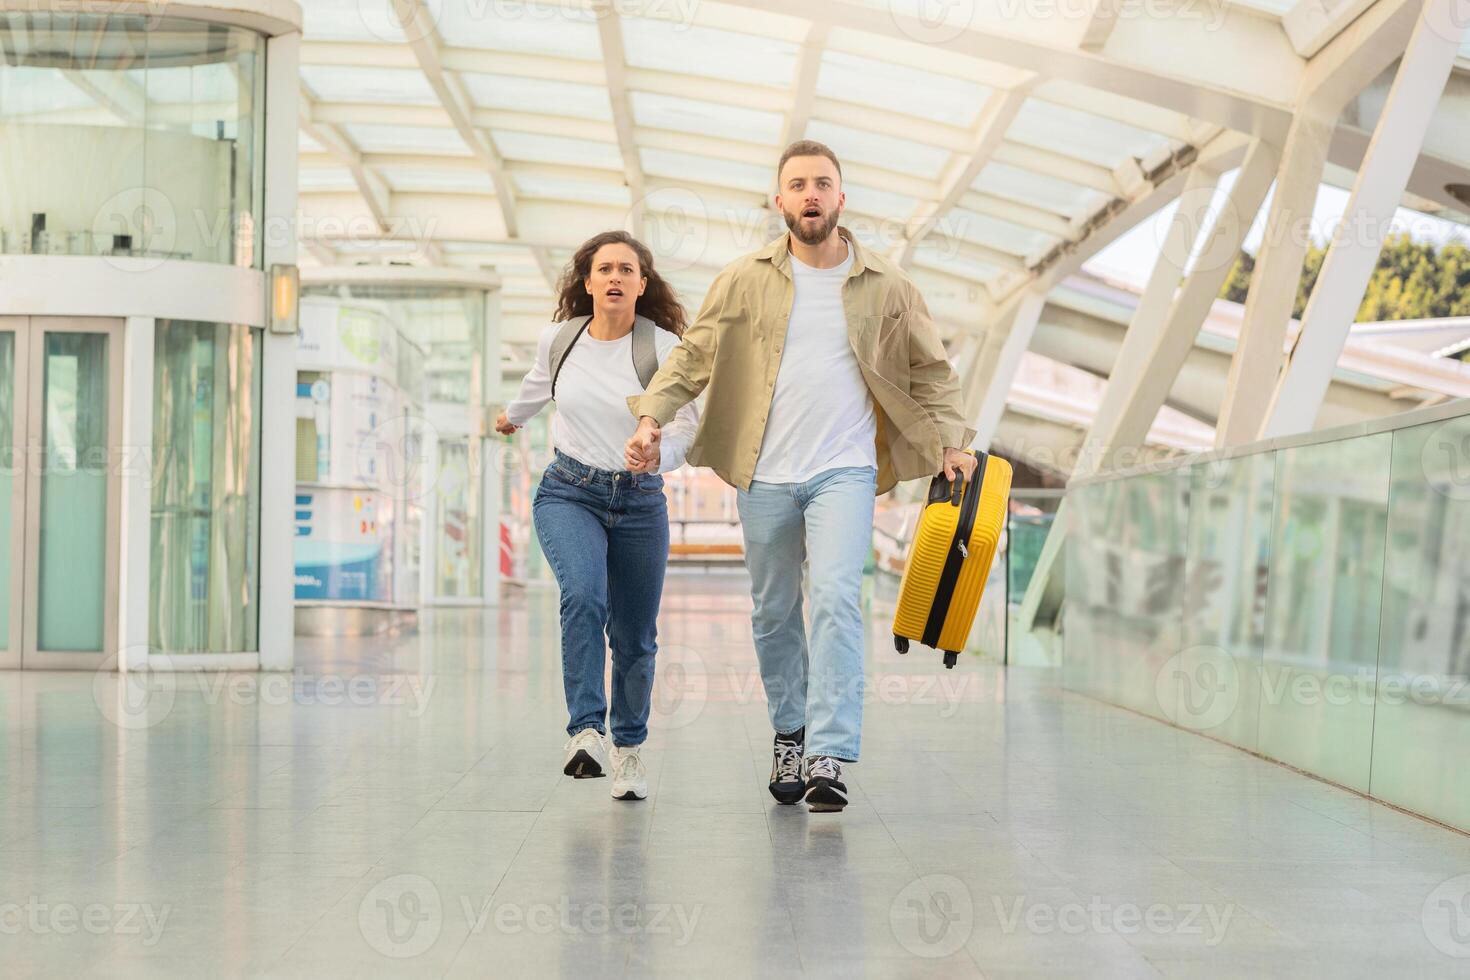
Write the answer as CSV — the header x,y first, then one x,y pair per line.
x,y
808,148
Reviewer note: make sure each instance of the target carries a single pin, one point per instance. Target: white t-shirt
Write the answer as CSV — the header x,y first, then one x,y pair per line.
x,y
821,413
592,422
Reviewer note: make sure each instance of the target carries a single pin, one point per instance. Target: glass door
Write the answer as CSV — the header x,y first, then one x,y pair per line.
x,y
13,334
61,403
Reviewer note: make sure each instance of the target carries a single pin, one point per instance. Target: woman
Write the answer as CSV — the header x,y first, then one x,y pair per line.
x,y
603,525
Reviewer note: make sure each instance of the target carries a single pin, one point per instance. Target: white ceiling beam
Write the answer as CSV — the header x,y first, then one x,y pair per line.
x,y
1054,165
615,64
373,188
1311,24
423,39
804,85
1016,213
990,130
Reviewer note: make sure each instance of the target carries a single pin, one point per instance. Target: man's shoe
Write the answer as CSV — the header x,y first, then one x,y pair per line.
x,y
586,754
630,775
786,783
825,790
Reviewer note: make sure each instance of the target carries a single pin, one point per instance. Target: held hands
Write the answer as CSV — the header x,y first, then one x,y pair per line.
x,y
956,460
503,426
641,452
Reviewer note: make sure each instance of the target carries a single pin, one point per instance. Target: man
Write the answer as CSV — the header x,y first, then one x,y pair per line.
x,y
827,384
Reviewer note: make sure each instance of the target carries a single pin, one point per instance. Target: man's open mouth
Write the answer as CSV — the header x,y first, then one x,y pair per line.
x,y
812,213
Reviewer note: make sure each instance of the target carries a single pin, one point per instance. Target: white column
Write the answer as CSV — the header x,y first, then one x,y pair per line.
x,y
1152,356
996,361
135,583
1382,178
490,475
278,365
1277,274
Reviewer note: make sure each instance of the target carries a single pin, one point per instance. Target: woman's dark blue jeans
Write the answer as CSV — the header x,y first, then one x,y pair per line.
x,y
606,537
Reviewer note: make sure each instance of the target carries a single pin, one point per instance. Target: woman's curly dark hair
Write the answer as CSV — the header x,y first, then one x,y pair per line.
x,y
659,302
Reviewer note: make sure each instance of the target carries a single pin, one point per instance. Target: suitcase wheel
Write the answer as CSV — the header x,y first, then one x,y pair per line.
x,y
901,644
950,658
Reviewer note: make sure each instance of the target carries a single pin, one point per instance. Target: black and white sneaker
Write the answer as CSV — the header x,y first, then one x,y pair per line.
x,y
586,755
825,790
786,782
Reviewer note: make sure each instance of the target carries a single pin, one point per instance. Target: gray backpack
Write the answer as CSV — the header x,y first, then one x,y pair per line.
x,y
645,348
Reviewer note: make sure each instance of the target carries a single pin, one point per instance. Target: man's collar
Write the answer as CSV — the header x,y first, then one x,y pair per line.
x,y
778,252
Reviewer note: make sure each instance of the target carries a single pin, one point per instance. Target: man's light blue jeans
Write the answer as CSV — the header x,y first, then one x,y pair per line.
x,y
826,522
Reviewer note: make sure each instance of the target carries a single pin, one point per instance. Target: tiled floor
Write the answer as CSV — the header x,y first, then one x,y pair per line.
x,y
398,810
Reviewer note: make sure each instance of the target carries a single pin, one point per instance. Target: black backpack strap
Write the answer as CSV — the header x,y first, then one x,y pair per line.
x,y
561,346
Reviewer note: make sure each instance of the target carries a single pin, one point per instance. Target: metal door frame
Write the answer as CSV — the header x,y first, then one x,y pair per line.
x,y
31,657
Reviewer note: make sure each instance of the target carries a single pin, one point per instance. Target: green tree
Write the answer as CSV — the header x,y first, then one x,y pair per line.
x,y
1412,281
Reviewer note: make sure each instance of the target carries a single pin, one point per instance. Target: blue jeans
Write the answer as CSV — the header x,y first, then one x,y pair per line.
x,y
828,523
606,537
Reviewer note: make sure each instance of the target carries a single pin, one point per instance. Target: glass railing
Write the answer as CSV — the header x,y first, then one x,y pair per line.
x,y
1307,599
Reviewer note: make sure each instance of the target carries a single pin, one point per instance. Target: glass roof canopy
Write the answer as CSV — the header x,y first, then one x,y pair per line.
x,y
514,130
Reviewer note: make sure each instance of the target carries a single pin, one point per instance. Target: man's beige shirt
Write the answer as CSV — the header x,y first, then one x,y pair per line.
x,y
733,349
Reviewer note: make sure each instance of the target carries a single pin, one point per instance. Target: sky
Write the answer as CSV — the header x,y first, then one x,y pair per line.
x,y
1131,257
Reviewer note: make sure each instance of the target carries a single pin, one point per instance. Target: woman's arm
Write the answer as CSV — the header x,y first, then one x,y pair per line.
x,y
535,390
678,435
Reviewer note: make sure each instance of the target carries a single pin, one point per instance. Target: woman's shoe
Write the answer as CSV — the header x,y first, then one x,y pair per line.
x,y
630,775
586,755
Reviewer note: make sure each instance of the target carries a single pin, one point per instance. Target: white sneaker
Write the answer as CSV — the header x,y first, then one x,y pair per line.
x,y
630,775
586,754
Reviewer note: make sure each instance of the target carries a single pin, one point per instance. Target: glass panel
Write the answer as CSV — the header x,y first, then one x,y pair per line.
x,y
9,473
1125,556
1422,712
456,524
520,94
1321,650
425,179
709,118
947,99
204,99
73,505
344,83
1080,134
541,148
561,188
995,233
1217,678
551,28
123,135
706,170
206,488
877,150
677,47
1049,194
378,138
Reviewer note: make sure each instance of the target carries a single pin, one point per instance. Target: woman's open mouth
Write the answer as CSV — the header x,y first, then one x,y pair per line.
x,y
614,293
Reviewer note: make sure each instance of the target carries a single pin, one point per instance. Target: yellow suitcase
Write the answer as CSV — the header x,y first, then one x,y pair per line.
x,y
950,558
